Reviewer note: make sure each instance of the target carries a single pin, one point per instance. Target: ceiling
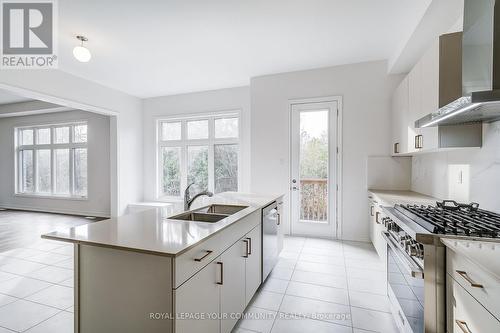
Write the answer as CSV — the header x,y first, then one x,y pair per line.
x,y
162,47
8,98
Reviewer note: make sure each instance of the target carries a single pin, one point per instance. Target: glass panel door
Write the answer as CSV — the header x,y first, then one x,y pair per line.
x,y
313,166
313,143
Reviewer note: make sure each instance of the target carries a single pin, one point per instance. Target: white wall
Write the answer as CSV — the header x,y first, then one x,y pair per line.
x,y
388,173
61,88
187,104
366,90
98,202
430,172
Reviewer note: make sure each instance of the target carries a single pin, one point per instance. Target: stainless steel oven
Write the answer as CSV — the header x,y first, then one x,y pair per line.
x,y
415,275
405,287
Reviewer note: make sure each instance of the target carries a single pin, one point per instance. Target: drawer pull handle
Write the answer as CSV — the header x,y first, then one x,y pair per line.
x,y
249,245
206,255
221,264
463,326
377,214
279,219
371,211
468,279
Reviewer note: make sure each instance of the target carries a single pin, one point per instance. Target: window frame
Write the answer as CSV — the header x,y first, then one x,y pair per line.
x,y
52,146
184,143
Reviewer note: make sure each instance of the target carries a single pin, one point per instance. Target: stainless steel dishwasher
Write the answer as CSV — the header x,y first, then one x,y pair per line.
x,y
272,242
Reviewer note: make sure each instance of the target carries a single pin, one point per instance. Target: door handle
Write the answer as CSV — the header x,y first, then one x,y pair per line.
x,y
419,141
249,246
468,279
396,148
371,211
377,214
221,264
278,220
463,326
246,248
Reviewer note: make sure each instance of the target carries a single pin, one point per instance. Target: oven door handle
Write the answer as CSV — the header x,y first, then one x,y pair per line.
x,y
415,270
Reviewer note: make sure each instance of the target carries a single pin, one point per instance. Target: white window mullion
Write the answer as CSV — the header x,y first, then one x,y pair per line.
x,y
52,173
71,159
72,171
211,166
35,162
35,170
239,167
183,158
20,164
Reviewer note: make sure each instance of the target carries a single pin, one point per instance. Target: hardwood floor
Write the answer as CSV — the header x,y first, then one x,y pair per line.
x,y
21,228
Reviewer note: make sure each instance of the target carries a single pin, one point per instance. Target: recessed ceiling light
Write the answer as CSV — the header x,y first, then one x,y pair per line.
x,y
81,53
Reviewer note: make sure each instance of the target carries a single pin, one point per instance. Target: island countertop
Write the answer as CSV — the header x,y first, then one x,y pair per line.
x,y
152,232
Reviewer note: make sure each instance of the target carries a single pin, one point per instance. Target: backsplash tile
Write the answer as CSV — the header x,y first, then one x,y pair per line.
x,y
430,173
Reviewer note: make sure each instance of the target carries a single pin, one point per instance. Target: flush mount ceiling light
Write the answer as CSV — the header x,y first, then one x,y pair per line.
x,y
81,53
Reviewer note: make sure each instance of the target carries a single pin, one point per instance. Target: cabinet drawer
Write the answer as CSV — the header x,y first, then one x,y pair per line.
x,y
465,314
480,284
190,262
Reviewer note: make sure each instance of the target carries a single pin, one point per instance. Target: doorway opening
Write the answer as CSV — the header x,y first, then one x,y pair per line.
x,y
315,168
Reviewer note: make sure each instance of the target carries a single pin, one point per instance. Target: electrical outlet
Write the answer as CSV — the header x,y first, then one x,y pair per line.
x,y
459,182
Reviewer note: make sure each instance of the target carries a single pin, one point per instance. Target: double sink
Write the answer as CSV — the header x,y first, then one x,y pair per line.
x,y
209,214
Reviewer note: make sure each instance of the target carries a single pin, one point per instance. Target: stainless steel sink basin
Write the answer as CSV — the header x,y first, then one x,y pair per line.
x,y
221,209
199,217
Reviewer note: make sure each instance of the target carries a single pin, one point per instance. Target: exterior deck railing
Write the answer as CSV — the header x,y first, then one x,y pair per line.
x,y
314,199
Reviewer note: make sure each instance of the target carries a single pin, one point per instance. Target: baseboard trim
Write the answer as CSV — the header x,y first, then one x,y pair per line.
x,y
56,211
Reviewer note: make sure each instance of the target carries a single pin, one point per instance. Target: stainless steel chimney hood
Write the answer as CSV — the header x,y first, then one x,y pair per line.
x,y
480,99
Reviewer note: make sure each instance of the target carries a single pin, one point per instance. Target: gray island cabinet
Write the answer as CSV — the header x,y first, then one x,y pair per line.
x,y
147,273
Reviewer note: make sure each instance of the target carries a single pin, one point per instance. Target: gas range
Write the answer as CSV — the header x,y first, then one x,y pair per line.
x,y
416,257
451,218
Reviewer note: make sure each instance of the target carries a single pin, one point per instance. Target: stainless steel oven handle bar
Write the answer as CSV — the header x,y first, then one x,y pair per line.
x,y
415,270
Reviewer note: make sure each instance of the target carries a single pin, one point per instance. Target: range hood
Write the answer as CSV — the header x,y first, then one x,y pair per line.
x,y
480,99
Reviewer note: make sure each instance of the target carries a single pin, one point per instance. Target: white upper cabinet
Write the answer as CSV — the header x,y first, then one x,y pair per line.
x,y
433,82
430,74
414,104
400,118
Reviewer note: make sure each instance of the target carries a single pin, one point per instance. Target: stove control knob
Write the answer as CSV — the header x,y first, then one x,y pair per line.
x,y
404,239
416,251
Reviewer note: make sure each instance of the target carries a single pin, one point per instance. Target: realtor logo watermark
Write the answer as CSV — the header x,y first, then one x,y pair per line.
x,y
29,34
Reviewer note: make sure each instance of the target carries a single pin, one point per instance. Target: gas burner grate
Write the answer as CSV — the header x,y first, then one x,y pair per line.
x,y
449,217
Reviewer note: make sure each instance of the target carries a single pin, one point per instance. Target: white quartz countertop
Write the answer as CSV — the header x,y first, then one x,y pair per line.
x,y
483,253
390,198
152,232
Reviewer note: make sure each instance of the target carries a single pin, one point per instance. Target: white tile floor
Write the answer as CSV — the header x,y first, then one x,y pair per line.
x,y
36,288
318,286
322,286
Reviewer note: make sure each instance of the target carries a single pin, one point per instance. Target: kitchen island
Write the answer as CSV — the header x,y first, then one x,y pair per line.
x,y
147,272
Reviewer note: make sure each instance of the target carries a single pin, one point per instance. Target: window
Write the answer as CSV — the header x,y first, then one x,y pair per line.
x,y
52,160
202,150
